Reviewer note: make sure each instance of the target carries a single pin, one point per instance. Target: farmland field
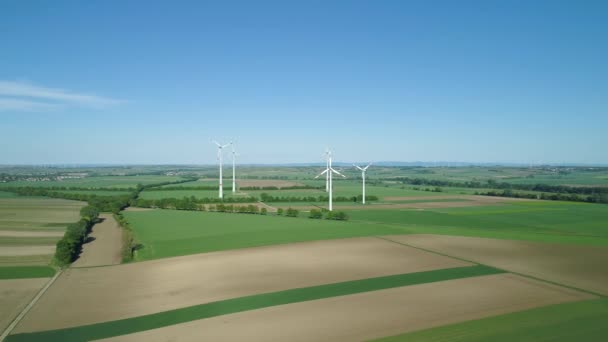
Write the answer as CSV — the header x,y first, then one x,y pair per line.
x,y
14,296
453,257
97,182
572,265
201,232
347,318
547,221
30,227
578,321
166,284
95,192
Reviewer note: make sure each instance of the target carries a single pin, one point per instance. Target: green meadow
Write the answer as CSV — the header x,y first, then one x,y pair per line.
x,y
17,272
544,221
166,233
97,182
99,193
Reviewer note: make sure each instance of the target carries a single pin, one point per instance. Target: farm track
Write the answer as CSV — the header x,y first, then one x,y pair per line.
x,y
106,248
27,308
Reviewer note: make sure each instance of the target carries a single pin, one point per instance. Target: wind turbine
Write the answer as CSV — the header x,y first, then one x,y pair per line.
x,y
327,159
363,170
219,157
234,154
329,172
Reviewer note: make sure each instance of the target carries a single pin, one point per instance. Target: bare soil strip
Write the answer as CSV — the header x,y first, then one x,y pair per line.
x,y
106,248
102,294
371,315
26,233
14,296
26,250
582,267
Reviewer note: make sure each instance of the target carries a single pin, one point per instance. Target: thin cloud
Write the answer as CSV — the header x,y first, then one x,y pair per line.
x,y
21,105
26,96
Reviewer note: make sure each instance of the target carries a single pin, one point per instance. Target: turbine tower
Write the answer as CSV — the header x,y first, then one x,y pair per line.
x,y
329,171
363,170
234,154
327,159
220,147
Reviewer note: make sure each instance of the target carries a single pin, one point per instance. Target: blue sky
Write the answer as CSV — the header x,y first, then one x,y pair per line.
x,y
152,82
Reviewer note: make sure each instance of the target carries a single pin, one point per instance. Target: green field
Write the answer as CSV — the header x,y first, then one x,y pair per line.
x,y
170,233
547,221
4,194
17,272
166,233
579,321
100,193
97,182
344,188
234,305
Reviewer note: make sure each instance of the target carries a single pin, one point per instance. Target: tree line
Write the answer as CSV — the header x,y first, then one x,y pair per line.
x,y
188,203
594,194
265,197
594,198
69,247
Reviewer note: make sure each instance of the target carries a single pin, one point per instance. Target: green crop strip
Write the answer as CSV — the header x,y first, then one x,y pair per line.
x,y
19,272
229,306
579,321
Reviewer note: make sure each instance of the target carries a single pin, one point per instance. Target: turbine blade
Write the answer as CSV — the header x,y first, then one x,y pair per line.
x,y
365,168
215,142
322,173
358,167
338,173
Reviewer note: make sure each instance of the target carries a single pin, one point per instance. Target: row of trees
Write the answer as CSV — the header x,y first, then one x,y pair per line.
x,y
329,215
241,209
70,245
269,198
293,187
188,203
228,188
594,192
129,243
594,198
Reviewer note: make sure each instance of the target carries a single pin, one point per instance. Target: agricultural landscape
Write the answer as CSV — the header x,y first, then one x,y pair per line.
x,y
436,253
336,171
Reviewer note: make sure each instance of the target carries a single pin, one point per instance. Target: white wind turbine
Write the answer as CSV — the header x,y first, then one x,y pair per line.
x,y
220,147
327,159
234,154
363,170
329,172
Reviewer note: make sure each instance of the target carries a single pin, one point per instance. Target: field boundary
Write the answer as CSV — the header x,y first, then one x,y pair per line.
x,y
513,272
247,303
19,317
